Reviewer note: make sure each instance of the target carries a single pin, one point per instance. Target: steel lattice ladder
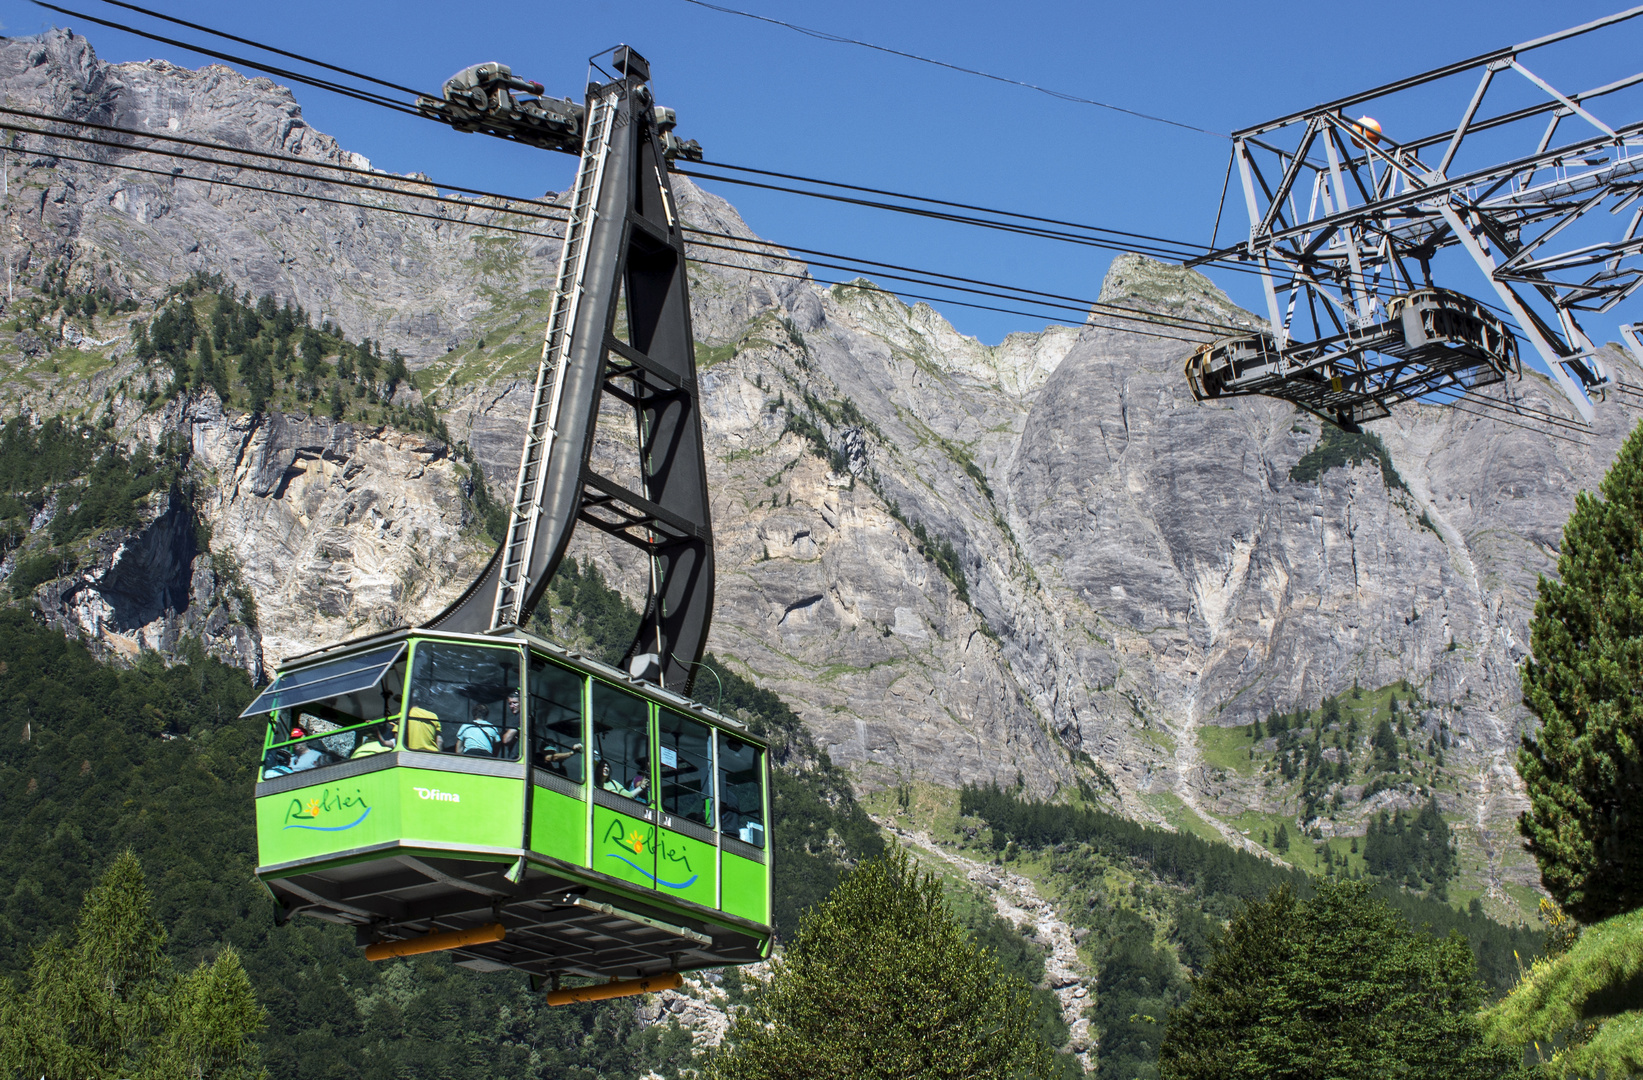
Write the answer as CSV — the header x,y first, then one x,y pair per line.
x,y
512,584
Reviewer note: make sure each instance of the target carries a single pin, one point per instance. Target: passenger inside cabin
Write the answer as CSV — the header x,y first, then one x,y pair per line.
x,y
556,703
469,688
487,737
610,783
380,740
308,755
278,762
422,730
551,755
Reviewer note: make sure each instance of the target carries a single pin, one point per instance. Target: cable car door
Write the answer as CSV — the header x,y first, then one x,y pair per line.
x,y
687,854
624,818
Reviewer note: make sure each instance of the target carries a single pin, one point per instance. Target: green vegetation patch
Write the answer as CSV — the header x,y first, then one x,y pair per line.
x,y
1367,740
709,355
1337,448
1414,848
1597,983
1228,748
883,980
1335,984
78,363
1084,846
94,483
1182,816
262,356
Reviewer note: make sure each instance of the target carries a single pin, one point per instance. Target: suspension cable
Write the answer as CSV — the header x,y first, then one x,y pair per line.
x,y
366,96
265,48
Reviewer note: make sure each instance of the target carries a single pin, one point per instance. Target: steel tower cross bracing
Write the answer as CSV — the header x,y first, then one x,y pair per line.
x,y
623,255
1345,221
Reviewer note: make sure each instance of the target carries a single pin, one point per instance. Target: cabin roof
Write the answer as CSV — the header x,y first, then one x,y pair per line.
x,y
569,657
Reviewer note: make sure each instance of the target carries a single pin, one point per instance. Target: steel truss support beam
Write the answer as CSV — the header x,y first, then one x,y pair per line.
x,y
1529,224
623,255
1630,333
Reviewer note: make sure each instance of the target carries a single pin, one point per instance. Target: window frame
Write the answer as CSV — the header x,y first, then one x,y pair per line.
x,y
711,793
519,654
650,795
584,711
762,769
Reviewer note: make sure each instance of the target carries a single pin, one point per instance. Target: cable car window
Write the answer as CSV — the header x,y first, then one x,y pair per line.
x,y
344,679
741,794
621,742
556,719
310,741
685,752
464,700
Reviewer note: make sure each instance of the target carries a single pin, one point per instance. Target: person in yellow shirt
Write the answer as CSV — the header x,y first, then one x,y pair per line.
x,y
422,730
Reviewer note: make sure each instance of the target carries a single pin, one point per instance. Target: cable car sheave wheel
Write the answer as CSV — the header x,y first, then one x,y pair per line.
x,y
1427,341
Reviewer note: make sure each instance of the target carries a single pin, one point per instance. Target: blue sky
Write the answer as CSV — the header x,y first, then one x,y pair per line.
x,y
760,95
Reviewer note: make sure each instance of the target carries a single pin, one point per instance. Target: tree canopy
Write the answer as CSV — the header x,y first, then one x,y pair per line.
x,y
883,982
95,758
1584,768
1338,987
107,1003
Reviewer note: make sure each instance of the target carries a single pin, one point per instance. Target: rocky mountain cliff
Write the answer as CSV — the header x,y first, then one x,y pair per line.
x,y
1037,560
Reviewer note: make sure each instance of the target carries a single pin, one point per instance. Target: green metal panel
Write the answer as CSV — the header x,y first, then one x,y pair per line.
x,y
559,826
745,888
407,805
624,846
487,814
685,867
325,818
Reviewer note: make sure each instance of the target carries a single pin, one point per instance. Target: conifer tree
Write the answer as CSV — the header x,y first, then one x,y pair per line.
x,y
107,1004
1584,768
205,373
882,981
1338,987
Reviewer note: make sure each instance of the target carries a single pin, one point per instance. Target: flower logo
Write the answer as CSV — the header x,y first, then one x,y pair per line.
x,y
328,802
636,842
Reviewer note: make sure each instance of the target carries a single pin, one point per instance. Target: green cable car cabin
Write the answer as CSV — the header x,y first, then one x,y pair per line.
x,y
468,786
422,786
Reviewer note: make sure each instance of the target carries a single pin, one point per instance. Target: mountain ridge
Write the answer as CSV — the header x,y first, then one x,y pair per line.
x,y
1042,556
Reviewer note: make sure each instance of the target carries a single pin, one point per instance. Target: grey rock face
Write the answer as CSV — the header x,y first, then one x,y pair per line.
x,y
405,281
340,530
959,562
149,588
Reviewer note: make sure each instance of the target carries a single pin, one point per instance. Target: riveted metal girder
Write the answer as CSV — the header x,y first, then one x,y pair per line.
x,y
1348,219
